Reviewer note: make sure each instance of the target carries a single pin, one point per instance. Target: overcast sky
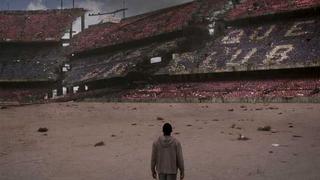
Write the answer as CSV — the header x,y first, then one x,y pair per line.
x,y
94,6
135,6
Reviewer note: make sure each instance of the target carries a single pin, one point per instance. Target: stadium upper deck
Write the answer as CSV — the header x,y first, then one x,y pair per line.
x,y
31,43
256,8
36,26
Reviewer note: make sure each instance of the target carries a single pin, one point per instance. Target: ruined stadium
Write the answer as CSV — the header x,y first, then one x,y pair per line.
x,y
202,51
239,80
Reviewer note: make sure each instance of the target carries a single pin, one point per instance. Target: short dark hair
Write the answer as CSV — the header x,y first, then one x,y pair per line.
x,y
167,129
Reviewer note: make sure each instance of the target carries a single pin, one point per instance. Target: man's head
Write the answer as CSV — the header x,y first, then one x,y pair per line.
x,y
167,129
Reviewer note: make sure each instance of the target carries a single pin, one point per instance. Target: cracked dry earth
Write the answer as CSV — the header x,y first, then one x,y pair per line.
x,y
113,141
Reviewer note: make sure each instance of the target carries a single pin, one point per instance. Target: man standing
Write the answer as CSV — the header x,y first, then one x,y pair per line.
x,y
167,156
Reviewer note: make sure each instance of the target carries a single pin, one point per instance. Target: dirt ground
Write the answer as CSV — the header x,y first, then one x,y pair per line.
x,y
208,133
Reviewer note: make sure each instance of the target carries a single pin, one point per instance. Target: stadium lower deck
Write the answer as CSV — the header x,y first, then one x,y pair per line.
x,y
283,88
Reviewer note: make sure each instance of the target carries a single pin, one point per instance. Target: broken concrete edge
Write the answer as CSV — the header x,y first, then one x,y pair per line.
x,y
85,97
302,100
19,104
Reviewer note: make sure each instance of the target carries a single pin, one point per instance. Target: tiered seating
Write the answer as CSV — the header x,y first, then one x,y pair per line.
x,y
34,26
134,28
229,89
30,63
253,8
22,95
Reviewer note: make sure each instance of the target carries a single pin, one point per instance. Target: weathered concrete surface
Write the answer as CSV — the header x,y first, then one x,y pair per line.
x,y
210,145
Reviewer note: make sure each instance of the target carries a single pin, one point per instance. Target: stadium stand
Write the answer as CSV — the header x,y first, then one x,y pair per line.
x,y
218,50
254,8
256,89
31,51
36,26
143,26
202,39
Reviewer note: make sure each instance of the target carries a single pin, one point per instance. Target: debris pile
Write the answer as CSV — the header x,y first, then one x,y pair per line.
x,y
265,128
101,143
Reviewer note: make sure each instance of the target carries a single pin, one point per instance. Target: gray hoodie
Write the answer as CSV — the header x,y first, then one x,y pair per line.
x,y
167,156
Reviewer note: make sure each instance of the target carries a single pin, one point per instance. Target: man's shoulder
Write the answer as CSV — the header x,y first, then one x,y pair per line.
x,y
156,141
176,140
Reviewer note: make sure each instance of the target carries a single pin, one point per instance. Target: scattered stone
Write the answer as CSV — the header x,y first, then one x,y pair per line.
x,y
176,133
274,131
189,125
243,138
45,134
3,107
290,126
160,118
101,143
239,128
280,113
295,154
113,135
133,124
230,110
243,107
259,109
265,128
115,108
233,126
215,120
134,109
43,130
273,108
270,152
297,136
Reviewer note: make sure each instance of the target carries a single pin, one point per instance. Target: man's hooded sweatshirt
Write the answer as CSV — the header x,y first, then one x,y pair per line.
x,y
167,156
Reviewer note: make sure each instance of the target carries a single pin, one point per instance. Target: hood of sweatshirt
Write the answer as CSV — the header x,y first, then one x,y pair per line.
x,y
166,141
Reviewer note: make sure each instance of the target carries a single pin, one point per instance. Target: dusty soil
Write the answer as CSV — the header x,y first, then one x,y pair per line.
x,y
208,133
